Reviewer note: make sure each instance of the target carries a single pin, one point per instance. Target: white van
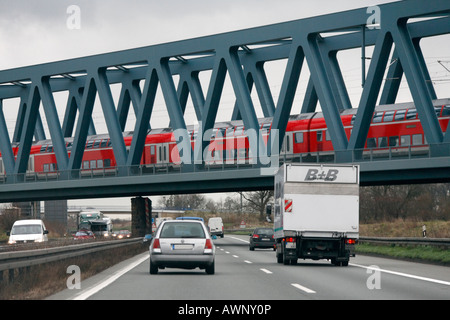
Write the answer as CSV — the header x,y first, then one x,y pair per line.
x,y
215,226
31,230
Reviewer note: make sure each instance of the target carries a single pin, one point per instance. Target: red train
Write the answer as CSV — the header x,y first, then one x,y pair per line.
x,y
394,129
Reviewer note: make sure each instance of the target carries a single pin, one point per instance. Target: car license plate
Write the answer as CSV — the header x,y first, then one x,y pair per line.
x,y
265,239
182,246
290,245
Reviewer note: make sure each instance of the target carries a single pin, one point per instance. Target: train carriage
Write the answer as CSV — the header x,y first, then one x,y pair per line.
x,y
395,131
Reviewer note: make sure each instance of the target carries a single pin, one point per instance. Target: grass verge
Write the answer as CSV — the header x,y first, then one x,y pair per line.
x,y
426,254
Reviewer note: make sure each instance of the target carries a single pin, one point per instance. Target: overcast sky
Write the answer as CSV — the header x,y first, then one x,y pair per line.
x,y
34,32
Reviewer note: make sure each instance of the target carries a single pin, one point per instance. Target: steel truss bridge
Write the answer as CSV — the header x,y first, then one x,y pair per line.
x,y
394,31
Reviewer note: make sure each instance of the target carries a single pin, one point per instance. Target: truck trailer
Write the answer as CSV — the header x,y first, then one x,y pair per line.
x,y
316,212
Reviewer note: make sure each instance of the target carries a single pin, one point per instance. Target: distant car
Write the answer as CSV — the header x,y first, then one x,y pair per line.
x,y
30,230
190,218
182,244
262,238
121,234
147,238
215,226
83,234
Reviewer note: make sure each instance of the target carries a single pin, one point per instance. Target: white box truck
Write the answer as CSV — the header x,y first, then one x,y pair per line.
x,y
316,212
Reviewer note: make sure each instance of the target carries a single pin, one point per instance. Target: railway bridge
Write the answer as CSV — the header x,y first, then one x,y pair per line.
x,y
310,46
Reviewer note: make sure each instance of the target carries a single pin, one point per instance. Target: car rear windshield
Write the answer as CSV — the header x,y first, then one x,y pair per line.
x,y
268,232
182,230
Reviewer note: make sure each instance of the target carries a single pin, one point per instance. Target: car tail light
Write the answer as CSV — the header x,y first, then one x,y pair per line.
x,y
290,239
208,247
156,246
255,236
350,241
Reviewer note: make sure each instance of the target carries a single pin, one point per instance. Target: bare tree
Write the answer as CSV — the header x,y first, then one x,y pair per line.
x,y
258,200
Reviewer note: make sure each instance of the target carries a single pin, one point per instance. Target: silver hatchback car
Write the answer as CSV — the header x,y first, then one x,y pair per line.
x,y
182,244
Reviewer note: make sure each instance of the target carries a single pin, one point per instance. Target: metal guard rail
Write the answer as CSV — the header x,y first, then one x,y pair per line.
x,y
436,242
26,258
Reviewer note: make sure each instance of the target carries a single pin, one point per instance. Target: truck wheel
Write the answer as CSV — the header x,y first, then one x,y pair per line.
x,y
279,257
285,260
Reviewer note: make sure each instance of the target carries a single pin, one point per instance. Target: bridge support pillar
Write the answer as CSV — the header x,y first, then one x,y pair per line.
x,y
141,216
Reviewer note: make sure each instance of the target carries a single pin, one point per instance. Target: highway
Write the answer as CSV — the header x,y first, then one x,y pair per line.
x,y
255,275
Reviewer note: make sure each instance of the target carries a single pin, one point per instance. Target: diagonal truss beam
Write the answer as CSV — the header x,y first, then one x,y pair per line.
x,y
242,55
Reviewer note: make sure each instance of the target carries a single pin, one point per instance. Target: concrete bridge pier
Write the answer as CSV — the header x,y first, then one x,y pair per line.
x,y
141,216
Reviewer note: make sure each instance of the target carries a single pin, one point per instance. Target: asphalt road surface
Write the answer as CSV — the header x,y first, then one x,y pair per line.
x,y
255,275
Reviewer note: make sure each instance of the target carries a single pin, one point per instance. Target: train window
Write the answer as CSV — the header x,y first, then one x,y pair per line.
x,y
100,164
239,130
371,143
219,133
393,141
104,143
416,139
96,143
50,148
89,145
85,165
405,140
388,116
230,131
93,164
107,163
400,115
69,146
109,143
437,110
214,133
152,150
43,148
382,142
266,128
50,167
412,114
319,135
377,117
446,111
298,137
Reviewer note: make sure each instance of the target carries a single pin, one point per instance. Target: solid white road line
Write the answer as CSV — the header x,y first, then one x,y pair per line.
x,y
307,290
249,262
108,281
401,274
